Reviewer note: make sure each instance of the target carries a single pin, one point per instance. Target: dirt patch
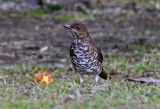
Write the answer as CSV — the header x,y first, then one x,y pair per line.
x,y
31,39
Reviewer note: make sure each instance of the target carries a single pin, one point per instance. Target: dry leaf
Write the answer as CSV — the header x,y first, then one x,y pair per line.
x,y
43,78
147,80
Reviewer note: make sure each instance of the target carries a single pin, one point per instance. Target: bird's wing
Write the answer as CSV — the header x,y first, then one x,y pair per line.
x,y
99,56
94,49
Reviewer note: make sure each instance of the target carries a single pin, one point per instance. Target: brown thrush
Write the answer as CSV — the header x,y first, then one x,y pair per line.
x,y
86,58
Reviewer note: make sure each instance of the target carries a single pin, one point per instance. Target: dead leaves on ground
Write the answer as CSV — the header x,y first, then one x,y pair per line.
x,y
46,78
43,78
144,80
126,77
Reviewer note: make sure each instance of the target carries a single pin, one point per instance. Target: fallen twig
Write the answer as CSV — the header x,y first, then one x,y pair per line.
x,y
143,79
3,77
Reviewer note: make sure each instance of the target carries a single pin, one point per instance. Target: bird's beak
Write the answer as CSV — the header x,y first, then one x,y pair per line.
x,y
67,26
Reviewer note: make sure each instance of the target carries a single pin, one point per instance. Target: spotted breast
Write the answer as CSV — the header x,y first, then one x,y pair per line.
x,y
83,59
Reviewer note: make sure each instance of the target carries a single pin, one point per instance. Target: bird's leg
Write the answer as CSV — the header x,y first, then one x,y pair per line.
x,y
81,78
96,79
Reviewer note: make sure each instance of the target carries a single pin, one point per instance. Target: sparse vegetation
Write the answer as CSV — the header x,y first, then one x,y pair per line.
x,y
20,90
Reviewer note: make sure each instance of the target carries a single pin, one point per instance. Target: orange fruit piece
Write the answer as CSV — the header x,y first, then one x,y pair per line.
x,y
43,78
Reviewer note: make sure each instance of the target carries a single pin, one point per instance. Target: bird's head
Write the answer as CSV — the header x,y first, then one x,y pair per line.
x,y
78,31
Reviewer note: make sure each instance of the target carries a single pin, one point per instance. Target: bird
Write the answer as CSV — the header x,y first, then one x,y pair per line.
x,y
85,56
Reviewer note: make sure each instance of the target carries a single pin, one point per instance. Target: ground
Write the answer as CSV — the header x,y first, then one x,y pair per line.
x,y
33,41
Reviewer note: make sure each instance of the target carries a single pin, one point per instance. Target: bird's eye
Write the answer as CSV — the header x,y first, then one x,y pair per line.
x,y
78,27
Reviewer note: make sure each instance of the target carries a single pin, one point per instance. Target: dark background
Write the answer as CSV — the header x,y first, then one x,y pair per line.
x,y
31,31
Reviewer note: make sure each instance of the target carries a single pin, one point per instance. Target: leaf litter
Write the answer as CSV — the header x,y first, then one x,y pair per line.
x,y
126,77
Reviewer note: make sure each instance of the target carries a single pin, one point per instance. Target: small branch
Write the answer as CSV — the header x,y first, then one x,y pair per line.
x,y
3,77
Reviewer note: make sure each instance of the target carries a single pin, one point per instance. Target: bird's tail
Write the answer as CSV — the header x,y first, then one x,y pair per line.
x,y
103,74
